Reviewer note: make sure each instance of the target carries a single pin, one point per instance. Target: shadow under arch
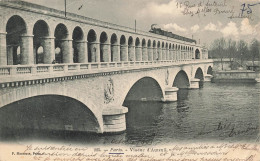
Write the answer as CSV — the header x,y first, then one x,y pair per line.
x,y
199,75
145,89
181,80
48,113
210,70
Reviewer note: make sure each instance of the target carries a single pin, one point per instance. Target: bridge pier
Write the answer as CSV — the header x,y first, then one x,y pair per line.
x,y
194,83
170,94
207,78
114,119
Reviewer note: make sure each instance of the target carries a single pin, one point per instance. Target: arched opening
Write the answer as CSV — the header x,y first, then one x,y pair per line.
x,y
143,107
104,53
199,75
163,51
170,52
61,34
15,28
150,50
131,52
181,80
159,54
114,48
46,115
155,55
166,51
144,50
41,33
123,49
138,52
78,45
197,54
39,55
210,70
92,46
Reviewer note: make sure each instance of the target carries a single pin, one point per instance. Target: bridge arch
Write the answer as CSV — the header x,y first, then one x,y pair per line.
x,y
181,80
123,48
145,88
104,47
16,27
199,74
49,112
25,93
114,48
78,45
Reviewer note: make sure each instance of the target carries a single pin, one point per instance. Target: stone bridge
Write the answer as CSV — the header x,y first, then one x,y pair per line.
x,y
97,64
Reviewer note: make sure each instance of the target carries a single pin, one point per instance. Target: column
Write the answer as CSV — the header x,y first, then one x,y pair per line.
x,y
82,54
94,51
138,53
114,119
150,54
26,49
170,94
131,53
170,54
144,54
48,50
3,55
10,54
167,54
163,54
123,52
115,49
67,51
155,55
159,51
105,49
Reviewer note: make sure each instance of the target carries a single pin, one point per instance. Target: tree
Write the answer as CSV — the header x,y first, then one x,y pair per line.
x,y
254,50
242,50
231,49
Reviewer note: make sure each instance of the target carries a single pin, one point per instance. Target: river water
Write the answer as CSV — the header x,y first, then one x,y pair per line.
x,y
216,112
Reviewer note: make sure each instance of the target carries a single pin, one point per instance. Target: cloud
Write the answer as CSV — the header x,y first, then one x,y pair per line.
x,y
246,28
211,27
175,27
195,28
230,30
154,9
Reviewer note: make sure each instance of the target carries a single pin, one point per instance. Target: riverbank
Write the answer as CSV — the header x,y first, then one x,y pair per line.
x,y
236,76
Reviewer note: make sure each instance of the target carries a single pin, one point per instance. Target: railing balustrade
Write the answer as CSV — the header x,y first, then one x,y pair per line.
x,y
76,67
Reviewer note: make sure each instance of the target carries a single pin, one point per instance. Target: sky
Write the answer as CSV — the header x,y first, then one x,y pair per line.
x,y
201,19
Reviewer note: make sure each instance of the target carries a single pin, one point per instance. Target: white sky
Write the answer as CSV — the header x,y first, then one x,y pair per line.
x,y
166,14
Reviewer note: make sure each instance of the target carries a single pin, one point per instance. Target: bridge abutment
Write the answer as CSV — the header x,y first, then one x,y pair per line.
x,y
170,94
194,83
114,119
207,78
